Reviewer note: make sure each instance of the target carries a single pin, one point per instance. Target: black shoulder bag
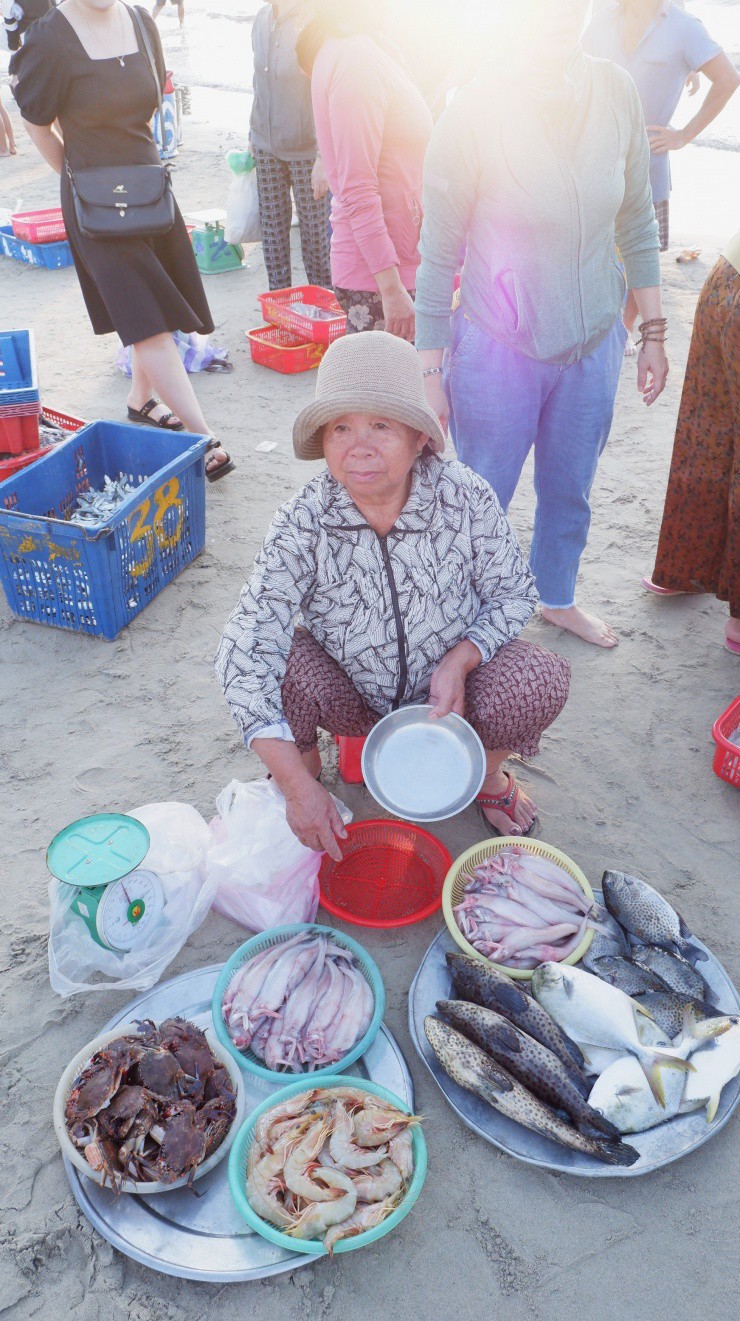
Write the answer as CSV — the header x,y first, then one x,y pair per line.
x,y
125,201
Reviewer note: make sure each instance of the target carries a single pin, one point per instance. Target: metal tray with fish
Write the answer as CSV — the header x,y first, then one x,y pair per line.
x,y
657,1146
197,1233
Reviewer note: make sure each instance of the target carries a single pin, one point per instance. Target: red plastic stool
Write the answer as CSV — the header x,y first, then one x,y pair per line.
x,y
350,758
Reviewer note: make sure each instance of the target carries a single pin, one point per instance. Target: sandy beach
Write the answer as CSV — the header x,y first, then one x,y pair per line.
x,y
624,780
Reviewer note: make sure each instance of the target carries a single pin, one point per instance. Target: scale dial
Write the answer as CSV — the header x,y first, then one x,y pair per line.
x,y
130,909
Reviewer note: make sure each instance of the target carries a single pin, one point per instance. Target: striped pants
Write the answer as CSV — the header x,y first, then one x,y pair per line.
x,y
275,179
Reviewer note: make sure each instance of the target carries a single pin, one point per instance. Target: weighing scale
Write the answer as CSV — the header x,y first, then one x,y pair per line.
x,y
98,859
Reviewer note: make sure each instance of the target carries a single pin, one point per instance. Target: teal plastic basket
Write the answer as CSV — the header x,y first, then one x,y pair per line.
x,y
314,1247
278,936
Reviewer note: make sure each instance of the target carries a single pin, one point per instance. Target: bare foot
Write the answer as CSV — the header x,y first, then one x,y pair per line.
x,y
589,627
215,459
630,348
494,786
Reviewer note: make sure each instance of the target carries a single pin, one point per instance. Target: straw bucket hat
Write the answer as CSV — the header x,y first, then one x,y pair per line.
x,y
371,372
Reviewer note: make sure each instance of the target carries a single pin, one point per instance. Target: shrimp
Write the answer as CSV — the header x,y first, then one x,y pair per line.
x,y
318,1217
302,1158
376,1187
363,1218
375,1127
288,1110
341,1147
400,1151
262,1184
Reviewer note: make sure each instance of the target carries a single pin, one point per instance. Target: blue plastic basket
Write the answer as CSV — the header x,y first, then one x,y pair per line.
x,y
51,255
96,581
19,386
239,1155
278,936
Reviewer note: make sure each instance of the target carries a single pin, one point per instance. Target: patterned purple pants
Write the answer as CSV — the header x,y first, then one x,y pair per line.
x,y
509,702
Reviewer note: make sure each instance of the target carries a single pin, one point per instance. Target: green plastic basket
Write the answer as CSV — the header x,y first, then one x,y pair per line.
x,y
313,1247
278,936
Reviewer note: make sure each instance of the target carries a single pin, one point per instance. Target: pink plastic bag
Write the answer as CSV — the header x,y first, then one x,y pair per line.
x,y
264,876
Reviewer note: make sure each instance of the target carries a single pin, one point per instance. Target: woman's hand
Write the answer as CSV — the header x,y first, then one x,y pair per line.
x,y
447,688
437,399
399,314
664,139
312,815
319,181
652,370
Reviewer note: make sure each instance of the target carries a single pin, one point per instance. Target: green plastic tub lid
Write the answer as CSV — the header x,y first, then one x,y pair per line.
x,y
97,849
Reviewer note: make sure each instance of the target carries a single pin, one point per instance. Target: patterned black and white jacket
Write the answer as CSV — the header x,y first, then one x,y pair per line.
x,y
387,609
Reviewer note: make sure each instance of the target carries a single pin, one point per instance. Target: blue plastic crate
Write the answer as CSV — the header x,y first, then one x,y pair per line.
x,y
51,255
96,581
19,384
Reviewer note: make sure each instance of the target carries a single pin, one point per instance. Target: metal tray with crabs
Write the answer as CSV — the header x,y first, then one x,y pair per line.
x,y
197,1233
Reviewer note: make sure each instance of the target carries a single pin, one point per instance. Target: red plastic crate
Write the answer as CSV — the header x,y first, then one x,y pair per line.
x,y
19,434
63,420
39,226
277,308
727,757
10,466
270,346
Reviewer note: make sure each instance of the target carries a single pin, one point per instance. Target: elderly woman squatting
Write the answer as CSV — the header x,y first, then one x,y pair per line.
x,y
410,586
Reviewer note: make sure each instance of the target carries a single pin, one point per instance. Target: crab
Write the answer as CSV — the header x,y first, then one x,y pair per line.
x,y
214,1119
159,1072
181,1144
189,1046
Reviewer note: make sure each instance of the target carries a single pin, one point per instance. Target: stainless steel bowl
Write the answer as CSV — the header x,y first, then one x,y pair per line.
x,y
421,769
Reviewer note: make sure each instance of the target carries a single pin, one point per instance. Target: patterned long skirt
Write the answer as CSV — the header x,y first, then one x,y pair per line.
x,y
509,702
699,545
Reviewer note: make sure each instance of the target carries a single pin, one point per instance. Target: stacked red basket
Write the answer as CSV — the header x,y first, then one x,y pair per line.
x,y
294,342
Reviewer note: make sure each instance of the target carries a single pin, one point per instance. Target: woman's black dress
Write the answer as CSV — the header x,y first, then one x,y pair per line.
x,y
138,287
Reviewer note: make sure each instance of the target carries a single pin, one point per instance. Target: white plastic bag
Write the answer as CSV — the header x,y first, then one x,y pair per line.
x,y
179,840
264,875
242,202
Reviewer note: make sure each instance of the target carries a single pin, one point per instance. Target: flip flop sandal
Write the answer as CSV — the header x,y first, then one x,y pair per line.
x,y
215,474
733,646
142,417
650,586
505,803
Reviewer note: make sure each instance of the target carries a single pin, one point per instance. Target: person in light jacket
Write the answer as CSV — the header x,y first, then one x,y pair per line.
x,y
538,171
410,587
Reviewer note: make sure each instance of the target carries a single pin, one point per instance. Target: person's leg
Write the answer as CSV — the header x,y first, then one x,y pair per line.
x,y
316,692
276,210
495,399
313,221
157,361
363,310
157,10
181,14
574,429
142,391
510,701
7,140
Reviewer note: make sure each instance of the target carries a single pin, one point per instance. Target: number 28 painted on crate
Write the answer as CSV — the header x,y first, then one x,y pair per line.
x,y
162,530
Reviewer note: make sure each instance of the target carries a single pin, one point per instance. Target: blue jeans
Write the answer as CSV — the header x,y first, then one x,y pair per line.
x,y
502,403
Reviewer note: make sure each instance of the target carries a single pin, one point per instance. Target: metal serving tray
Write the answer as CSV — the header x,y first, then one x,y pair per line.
x,y
421,769
657,1147
197,1233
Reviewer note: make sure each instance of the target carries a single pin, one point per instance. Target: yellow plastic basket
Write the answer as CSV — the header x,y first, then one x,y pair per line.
x,y
454,888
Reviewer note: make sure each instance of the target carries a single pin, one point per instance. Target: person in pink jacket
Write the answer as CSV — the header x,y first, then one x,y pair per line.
x,y
372,127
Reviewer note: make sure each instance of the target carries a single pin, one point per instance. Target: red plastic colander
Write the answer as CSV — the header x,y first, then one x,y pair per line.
x,y
391,874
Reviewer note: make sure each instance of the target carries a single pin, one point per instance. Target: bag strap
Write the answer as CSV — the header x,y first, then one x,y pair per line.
x,y
143,35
